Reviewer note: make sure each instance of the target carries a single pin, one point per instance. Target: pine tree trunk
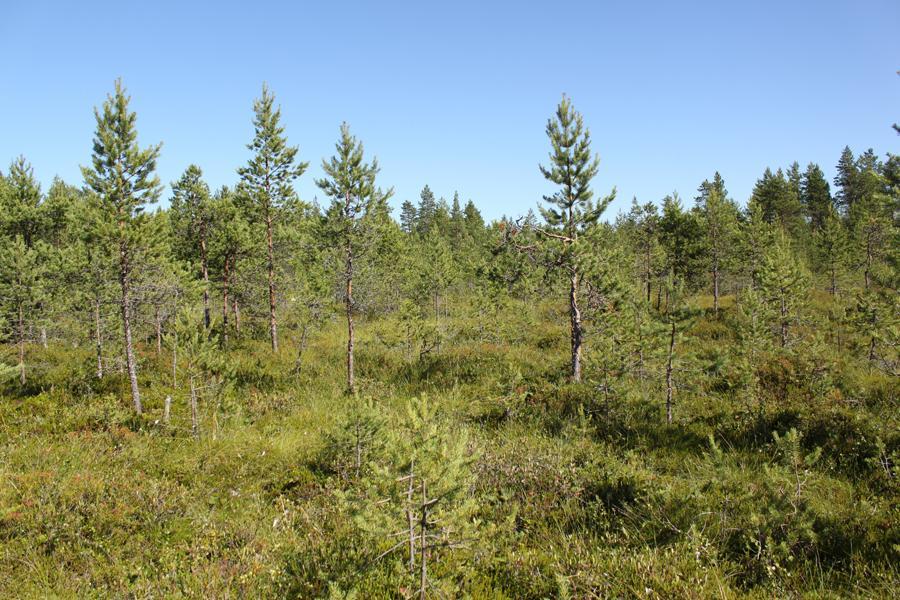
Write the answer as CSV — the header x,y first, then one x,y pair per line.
x,y
868,260
423,545
125,284
670,386
273,326
158,322
44,337
716,287
237,316
576,327
98,340
833,289
204,266
21,329
225,281
348,275
784,322
647,273
410,520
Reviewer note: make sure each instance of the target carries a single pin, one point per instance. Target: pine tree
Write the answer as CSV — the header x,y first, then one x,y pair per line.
x,y
719,217
22,273
783,284
20,211
190,217
350,183
832,247
268,178
426,211
122,175
408,217
229,244
570,212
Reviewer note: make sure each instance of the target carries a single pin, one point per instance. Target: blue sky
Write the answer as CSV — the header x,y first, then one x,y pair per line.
x,y
457,94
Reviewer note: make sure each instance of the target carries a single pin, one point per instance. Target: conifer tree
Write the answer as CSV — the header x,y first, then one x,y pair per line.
x,y
408,217
783,284
719,217
22,272
815,196
123,177
229,244
832,247
268,178
350,183
190,219
570,212
426,211
845,182
20,211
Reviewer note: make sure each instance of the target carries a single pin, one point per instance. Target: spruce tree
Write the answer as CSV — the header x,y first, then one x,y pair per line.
x,y
268,178
845,182
123,177
815,196
350,183
570,212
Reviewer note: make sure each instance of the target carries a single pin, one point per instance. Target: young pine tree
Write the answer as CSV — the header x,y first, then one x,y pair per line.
x,y
268,178
350,183
783,284
570,212
719,217
189,217
123,177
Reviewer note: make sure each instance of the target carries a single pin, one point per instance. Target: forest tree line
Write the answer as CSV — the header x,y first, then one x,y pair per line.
x,y
94,265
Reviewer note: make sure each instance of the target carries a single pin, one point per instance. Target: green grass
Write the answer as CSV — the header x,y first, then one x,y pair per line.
x,y
572,498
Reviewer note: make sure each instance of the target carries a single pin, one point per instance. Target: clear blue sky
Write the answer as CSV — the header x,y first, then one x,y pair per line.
x,y
456,94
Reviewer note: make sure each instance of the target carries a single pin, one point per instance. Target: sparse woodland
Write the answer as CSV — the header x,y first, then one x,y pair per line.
x,y
250,394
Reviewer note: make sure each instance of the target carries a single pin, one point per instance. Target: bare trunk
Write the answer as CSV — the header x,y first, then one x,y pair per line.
x,y
21,343
715,274
576,328
167,410
784,322
205,269
423,545
670,385
868,261
225,282
410,520
44,337
351,383
647,272
98,340
273,325
158,321
126,325
237,316
833,289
